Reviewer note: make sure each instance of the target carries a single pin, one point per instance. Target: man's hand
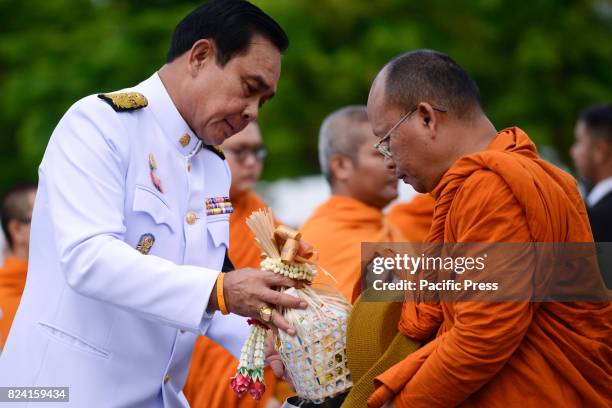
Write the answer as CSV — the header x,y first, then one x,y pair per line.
x,y
247,290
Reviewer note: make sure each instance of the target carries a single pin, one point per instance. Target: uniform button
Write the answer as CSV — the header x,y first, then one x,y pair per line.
x,y
182,331
191,218
166,379
188,166
185,139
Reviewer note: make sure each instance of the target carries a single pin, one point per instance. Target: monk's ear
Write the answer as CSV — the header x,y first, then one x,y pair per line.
x,y
18,231
202,52
341,167
427,115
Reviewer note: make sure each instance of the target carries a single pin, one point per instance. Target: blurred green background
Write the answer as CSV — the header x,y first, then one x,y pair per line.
x,y
538,63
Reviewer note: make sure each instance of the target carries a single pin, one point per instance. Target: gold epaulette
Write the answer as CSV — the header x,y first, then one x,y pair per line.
x,y
216,149
122,102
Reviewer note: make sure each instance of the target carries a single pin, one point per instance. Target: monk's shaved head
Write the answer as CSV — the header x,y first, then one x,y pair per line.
x,y
341,134
426,111
349,161
433,77
16,207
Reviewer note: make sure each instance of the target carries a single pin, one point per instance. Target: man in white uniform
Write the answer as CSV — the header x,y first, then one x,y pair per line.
x,y
130,225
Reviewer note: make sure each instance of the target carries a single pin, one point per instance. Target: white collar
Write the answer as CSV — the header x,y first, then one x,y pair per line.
x,y
167,116
598,192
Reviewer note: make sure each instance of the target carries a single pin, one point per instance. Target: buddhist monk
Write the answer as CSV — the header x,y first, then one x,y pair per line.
x,y
413,218
361,186
489,186
16,214
212,366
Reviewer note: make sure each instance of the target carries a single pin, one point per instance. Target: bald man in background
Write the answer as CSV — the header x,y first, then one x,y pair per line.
x,y
245,153
361,187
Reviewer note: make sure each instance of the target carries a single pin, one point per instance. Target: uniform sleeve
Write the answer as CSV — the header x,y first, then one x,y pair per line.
x,y
83,174
230,331
484,334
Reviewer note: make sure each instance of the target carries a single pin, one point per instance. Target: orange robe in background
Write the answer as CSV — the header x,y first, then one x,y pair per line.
x,y
414,217
212,366
336,230
505,354
12,281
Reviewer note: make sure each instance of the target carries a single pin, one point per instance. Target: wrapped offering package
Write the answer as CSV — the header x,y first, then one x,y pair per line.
x,y
315,358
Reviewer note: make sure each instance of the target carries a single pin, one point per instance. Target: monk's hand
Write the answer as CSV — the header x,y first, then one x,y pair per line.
x,y
273,359
247,291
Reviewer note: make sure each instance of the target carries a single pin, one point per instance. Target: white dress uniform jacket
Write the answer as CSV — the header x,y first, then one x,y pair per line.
x,y
113,324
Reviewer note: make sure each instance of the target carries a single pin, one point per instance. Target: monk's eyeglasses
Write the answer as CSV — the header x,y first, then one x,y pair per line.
x,y
243,152
382,146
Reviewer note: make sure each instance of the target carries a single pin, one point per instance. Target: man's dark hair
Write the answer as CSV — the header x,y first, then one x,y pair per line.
x,y
598,121
433,77
230,24
14,205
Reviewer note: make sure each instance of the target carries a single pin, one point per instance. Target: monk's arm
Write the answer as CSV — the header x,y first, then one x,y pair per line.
x,y
420,321
484,334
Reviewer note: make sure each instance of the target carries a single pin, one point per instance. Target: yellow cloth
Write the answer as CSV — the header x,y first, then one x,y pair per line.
x,y
212,366
503,354
12,281
336,229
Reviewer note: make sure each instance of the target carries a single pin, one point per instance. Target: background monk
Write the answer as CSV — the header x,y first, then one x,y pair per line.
x,y
16,213
413,218
212,366
361,187
489,186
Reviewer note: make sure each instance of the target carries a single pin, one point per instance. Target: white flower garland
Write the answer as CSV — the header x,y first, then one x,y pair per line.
x,y
299,271
252,352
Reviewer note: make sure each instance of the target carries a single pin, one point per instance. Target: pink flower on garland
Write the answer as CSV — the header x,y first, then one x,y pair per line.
x,y
240,384
257,389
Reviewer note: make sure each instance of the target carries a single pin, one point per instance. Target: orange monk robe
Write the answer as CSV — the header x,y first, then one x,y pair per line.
x,y
12,281
212,366
336,230
505,354
414,217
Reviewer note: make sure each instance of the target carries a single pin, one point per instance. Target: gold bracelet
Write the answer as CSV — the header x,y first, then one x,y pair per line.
x,y
220,297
